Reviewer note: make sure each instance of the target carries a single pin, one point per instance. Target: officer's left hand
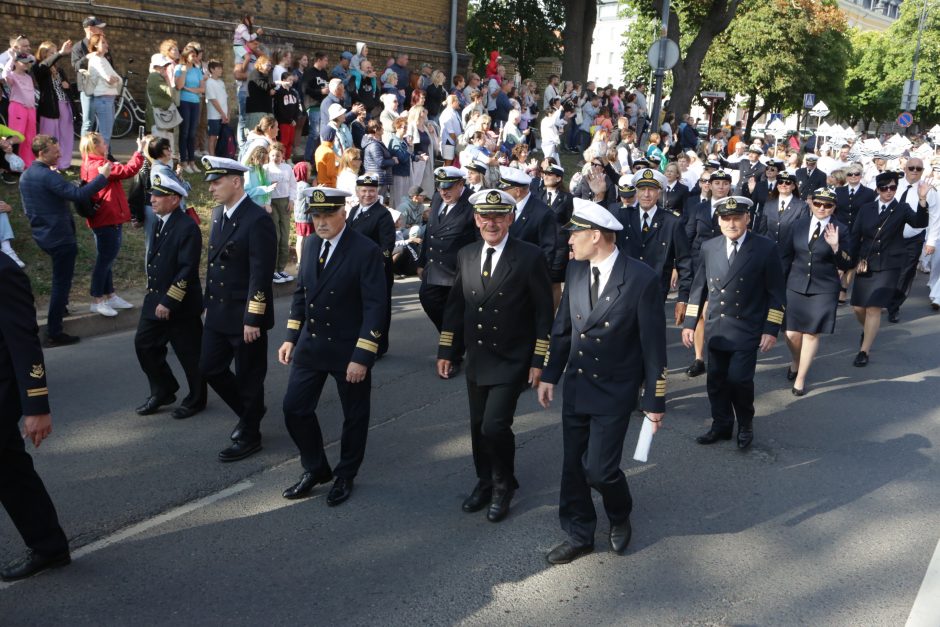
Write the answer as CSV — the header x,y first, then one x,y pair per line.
x,y
37,428
355,373
767,342
674,281
688,337
535,377
251,333
163,313
680,313
655,419
546,394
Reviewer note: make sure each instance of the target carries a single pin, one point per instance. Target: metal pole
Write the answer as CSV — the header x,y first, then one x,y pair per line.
x,y
920,30
660,73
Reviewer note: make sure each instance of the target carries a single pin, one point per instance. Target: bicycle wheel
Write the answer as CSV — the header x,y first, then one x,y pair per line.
x,y
123,122
77,118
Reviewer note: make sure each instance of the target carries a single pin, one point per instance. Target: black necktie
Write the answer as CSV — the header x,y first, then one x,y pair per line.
x,y
444,211
646,222
734,252
595,285
224,219
358,214
783,207
551,198
321,262
881,209
488,266
816,233
851,194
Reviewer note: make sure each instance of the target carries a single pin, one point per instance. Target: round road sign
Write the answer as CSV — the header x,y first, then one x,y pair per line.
x,y
905,119
670,55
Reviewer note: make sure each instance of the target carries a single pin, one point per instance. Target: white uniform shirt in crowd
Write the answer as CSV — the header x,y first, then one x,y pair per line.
x,y
822,227
606,267
496,254
283,175
933,208
729,244
215,90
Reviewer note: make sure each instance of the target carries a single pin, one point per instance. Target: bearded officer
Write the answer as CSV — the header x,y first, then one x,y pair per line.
x,y
335,324
608,339
172,309
372,219
238,301
501,308
741,276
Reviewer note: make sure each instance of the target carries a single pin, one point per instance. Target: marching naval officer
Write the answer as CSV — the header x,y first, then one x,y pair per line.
x,y
608,338
534,221
741,275
501,308
335,322
172,309
239,303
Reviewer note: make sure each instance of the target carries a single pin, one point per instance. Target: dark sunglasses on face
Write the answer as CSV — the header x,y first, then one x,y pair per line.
x,y
915,168
785,183
597,165
823,205
854,174
703,181
885,188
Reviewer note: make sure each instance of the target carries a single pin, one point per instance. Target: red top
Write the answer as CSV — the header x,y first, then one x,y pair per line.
x,y
113,208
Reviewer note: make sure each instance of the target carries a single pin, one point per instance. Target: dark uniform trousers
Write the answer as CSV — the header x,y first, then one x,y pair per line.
x,y
242,253
505,323
336,317
746,300
23,391
606,353
173,281
913,246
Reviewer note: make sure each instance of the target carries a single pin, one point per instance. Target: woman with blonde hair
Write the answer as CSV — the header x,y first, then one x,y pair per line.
x,y
424,137
55,108
349,166
261,90
435,96
107,85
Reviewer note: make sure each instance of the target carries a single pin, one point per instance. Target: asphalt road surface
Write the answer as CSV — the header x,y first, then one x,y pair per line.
x,y
830,519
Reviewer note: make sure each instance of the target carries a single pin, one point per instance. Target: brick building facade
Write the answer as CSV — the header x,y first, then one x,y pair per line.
x,y
135,28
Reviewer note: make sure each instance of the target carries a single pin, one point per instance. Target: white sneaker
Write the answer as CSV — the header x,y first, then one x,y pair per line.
x,y
116,302
12,255
287,277
103,308
279,278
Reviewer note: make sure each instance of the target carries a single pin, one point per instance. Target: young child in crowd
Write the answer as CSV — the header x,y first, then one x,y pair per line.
x,y
282,205
306,177
22,112
217,104
243,35
257,185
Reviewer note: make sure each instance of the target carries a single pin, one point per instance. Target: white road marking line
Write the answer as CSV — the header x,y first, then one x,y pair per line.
x,y
926,610
150,523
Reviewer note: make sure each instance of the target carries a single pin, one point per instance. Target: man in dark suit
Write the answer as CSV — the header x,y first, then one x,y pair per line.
x,y
373,220
553,194
609,338
450,228
852,196
239,303
622,210
534,221
749,167
335,323
23,392
810,178
501,308
741,276
172,309
674,195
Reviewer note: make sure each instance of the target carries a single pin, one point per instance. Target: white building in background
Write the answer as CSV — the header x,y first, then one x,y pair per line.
x,y
606,67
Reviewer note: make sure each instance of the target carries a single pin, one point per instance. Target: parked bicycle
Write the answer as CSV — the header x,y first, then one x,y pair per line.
x,y
127,113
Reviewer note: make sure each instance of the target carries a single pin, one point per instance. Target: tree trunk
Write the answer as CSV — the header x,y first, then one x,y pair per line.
x,y
578,35
751,105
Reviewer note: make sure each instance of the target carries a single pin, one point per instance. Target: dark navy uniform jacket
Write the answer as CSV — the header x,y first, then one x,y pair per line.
x,y
847,209
505,326
537,225
812,267
338,317
22,369
778,225
675,200
663,248
879,239
444,237
562,207
173,269
745,300
376,224
608,352
701,226
808,182
241,267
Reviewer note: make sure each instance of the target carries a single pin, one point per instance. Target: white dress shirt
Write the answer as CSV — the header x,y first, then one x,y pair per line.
x,y
520,206
228,211
822,228
498,251
606,267
650,213
334,241
729,246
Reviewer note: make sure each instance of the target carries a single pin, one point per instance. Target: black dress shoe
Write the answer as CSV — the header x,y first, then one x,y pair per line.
x,y
62,339
499,508
861,360
745,437
894,316
307,482
566,552
153,404
620,537
797,391
791,376
182,412
478,499
697,368
340,492
713,436
240,449
32,564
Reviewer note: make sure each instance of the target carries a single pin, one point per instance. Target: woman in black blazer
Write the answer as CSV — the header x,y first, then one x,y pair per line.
x,y
782,210
878,238
813,254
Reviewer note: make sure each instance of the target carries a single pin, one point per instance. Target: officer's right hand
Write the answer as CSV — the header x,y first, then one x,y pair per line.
x,y
420,271
37,428
680,313
105,170
546,394
443,368
285,352
688,337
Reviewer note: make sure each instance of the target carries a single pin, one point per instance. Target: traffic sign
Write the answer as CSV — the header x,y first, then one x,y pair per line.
x,y
665,49
910,95
905,119
809,100
717,95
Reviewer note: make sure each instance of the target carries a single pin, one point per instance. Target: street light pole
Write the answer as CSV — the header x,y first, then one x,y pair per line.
x,y
660,74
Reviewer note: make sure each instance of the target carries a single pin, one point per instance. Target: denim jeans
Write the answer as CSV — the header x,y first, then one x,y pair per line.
x,y
88,112
108,244
241,131
104,114
313,139
189,111
63,269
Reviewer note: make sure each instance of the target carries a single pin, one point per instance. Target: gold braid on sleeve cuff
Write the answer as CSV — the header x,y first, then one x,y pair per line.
x,y
447,338
775,316
367,345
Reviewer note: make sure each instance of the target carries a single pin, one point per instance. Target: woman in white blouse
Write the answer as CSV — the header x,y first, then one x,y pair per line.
x,y
107,85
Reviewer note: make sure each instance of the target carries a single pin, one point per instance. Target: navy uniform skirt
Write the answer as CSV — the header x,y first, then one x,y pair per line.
x,y
876,289
811,313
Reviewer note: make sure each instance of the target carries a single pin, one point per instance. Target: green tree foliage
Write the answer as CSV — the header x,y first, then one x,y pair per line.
x,y
523,29
639,36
